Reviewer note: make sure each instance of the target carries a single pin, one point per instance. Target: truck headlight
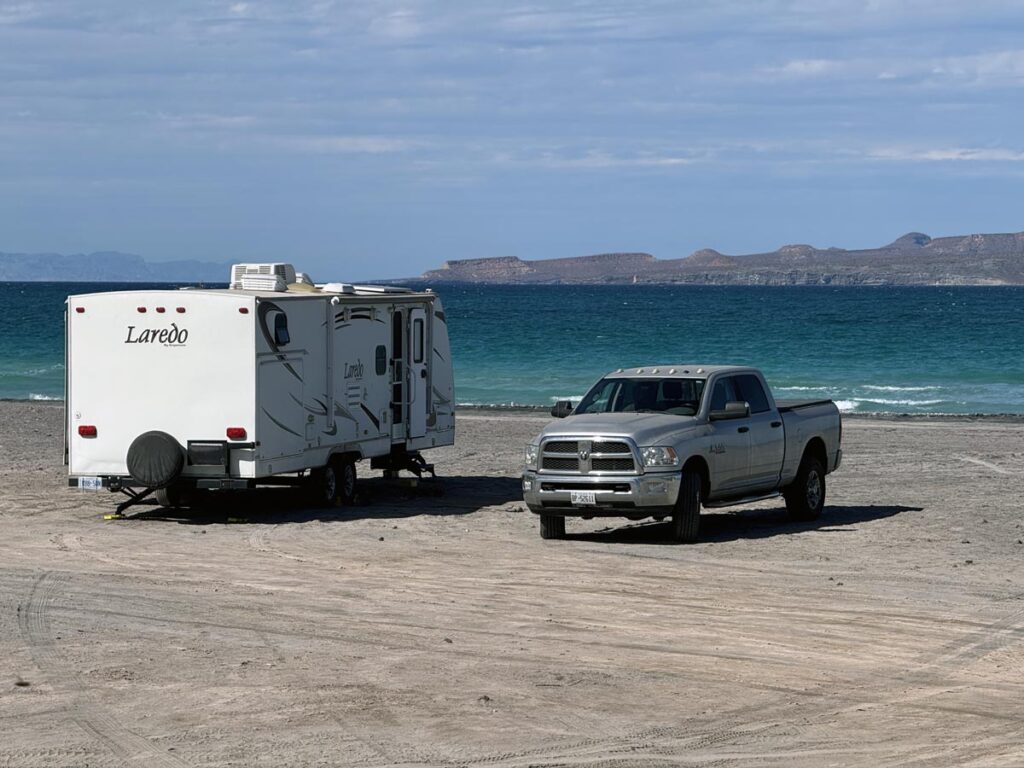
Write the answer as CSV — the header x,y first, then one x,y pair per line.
x,y
659,456
531,456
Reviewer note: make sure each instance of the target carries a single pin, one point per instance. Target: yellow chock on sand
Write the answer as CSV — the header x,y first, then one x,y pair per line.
x,y
114,516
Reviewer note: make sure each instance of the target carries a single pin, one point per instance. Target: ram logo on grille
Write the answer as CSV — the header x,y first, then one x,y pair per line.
x,y
584,452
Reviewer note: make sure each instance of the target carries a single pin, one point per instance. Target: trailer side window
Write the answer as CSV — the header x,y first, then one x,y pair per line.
x,y
281,336
382,359
417,341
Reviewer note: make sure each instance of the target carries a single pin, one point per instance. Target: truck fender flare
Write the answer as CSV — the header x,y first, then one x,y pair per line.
x,y
698,464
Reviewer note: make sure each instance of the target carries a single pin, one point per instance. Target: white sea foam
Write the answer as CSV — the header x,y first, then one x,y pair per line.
x,y
35,396
573,398
845,406
885,401
883,388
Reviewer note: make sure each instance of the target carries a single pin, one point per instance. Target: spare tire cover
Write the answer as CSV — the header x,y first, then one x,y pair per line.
x,y
155,459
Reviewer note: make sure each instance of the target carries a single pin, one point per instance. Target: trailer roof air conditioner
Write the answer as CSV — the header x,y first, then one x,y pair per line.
x,y
262,277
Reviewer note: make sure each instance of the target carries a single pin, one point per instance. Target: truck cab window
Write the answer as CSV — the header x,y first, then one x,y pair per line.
x,y
724,392
752,391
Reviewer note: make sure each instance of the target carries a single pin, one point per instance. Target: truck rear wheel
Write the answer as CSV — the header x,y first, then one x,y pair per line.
x,y
805,496
686,517
552,527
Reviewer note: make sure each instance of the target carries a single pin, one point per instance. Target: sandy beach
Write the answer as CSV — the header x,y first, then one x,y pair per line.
x,y
439,630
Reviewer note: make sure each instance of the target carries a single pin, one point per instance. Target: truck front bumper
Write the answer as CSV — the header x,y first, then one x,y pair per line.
x,y
625,496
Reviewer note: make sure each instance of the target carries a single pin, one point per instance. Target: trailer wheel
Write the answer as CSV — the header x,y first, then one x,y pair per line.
x,y
173,495
346,471
552,527
686,516
322,489
805,496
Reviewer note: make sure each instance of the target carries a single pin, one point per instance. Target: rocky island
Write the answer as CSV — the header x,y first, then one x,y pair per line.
x,y
914,259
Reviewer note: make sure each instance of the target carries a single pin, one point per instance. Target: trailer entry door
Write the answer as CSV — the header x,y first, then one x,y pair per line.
x,y
418,374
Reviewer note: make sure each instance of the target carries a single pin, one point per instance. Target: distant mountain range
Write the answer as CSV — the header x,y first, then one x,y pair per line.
x,y
914,259
106,267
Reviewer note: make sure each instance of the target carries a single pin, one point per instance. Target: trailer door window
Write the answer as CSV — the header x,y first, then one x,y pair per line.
x,y
382,359
417,341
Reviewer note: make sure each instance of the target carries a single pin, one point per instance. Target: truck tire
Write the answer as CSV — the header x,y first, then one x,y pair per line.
x,y
805,496
552,527
686,517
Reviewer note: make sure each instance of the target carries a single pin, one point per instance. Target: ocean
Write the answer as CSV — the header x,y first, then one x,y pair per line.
x,y
912,350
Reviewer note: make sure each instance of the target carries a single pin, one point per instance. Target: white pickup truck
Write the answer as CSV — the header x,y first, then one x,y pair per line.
x,y
662,441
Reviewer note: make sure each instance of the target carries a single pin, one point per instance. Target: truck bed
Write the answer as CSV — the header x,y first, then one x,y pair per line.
x,y
792,405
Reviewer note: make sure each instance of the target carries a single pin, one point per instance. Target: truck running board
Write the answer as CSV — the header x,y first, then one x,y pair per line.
x,y
718,504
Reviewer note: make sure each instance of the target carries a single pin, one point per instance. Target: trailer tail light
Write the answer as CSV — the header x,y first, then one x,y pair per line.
x,y
79,310
142,309
236,433
243,310
180,310
87,430
160,310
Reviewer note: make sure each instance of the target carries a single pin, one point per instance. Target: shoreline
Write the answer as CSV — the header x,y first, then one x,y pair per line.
x,y
540,410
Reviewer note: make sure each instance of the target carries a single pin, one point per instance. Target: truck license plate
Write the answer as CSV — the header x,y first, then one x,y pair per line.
x,y
583,498
90,483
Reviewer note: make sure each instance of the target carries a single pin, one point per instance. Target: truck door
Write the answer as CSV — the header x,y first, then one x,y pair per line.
x,y
418,378
767,438
730,442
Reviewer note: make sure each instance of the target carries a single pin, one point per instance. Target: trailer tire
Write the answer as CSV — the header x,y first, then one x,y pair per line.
x,y
346,471
173,496
552,527
686,516
805,496
155,459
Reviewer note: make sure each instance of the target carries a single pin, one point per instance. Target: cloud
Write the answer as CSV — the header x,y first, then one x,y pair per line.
x,y
951,154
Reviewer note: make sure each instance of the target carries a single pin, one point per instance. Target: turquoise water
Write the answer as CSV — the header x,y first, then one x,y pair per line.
x,y
890,350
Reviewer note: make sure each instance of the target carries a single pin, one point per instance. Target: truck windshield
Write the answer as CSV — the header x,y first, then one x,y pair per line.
x,y
643,395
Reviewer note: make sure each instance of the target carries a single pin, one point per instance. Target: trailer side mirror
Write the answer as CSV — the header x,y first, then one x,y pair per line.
x,y
562,409
736,409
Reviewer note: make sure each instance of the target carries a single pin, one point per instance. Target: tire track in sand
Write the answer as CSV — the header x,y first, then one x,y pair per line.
x,y
87,711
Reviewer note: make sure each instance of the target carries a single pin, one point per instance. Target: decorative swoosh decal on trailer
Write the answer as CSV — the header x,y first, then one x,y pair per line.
x,y
439,354
440,316
440,398
278,423
264,308
305,407
370,416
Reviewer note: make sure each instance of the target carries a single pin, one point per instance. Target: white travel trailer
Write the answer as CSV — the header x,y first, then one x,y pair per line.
x,y
272,380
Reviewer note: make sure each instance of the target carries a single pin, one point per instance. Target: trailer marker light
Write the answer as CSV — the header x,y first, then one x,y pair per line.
x,y
79,310
87,430
161,310
236,433
243,310
180,310
142,309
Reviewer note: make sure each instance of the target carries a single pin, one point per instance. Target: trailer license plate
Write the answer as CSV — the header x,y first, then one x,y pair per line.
x,y
90,483
583,498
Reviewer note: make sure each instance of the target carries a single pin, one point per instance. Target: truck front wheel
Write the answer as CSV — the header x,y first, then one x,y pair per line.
x,y
552,526
805,496
686,517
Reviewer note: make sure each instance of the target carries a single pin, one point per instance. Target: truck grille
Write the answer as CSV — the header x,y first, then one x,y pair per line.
x,y
586,456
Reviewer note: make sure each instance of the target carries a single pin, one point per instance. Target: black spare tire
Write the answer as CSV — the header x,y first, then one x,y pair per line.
x,y
155,459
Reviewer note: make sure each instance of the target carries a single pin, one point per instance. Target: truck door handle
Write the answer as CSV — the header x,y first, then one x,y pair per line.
x,y
776,424
743,429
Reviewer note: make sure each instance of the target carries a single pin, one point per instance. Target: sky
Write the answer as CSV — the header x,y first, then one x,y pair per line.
x,y
381,138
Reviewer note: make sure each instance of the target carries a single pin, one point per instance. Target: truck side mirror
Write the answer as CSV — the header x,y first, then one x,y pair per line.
x,y
562,409
736,409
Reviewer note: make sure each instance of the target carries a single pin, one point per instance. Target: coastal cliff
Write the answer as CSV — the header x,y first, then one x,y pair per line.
x,y
913,259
